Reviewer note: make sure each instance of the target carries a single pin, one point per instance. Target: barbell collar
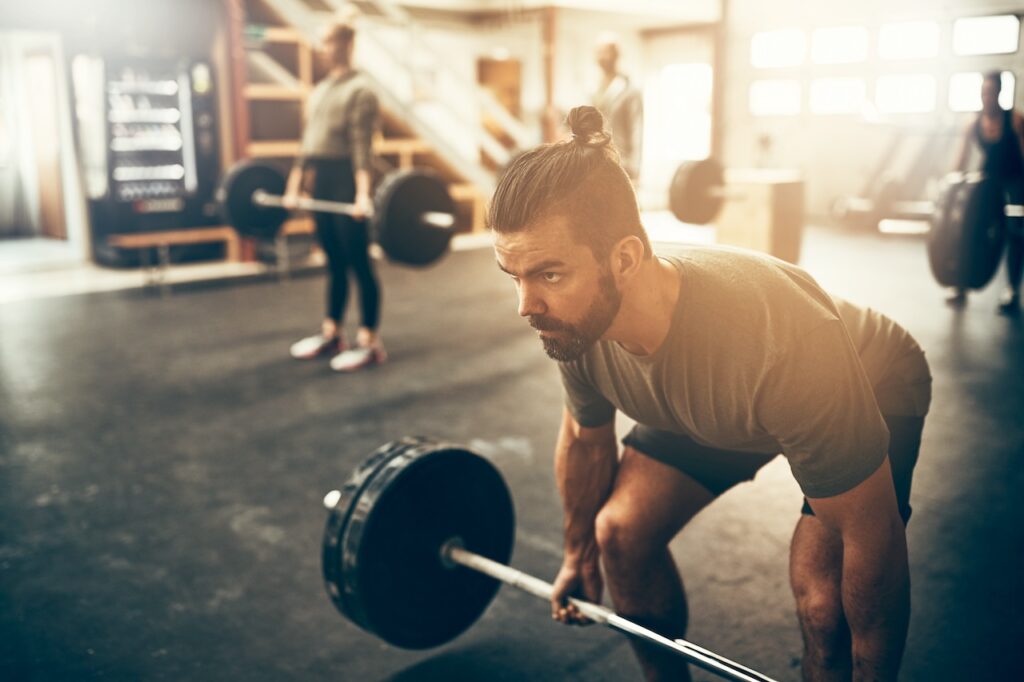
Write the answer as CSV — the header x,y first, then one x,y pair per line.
x,y
452,552
440,220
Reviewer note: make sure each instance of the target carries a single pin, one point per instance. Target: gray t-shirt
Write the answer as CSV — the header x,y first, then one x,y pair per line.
x,y
759,358
341,117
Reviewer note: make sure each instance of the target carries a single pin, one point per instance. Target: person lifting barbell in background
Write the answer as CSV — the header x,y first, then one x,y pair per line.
x,y
999,134
334,162
724,358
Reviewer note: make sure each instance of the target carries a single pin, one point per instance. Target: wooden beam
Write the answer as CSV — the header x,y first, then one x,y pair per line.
x,y
305,63
551,117
277,34
234,13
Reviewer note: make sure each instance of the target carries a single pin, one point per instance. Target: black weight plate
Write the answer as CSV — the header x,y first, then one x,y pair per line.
x,y
383,563
339,515
689,196
401,200
236,204
968,233
945,236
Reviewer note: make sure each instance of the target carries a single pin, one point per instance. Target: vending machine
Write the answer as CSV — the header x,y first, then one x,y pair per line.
x,y
160,161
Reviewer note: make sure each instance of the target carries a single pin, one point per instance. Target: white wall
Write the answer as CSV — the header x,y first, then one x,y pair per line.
x,y
837,154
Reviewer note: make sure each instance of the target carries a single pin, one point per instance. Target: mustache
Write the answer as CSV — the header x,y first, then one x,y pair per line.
x,y
548,324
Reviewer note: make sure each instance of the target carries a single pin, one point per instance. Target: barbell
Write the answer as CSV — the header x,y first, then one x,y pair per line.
x,y
417,543
412,218
698,191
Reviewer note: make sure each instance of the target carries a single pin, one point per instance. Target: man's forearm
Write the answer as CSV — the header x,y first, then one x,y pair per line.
x,y
584,473
295,176
876,601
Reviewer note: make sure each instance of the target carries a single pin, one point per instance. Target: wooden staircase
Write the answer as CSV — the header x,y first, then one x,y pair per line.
x,y
275,117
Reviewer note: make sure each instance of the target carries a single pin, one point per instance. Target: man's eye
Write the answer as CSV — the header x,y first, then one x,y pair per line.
x,y
551,277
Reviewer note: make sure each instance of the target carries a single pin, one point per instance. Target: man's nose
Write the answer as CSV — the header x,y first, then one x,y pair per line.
x,y
529,302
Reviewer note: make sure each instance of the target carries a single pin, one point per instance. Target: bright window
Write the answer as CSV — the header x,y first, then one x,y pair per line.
x,y
837,96
905,94
781,48
986,35
909,40
839,45
965,91
677,118
778,97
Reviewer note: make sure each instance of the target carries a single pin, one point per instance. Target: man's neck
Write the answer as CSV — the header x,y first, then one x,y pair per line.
x,y
648,303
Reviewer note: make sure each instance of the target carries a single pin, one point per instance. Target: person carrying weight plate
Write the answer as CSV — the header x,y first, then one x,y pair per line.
x,y
999,134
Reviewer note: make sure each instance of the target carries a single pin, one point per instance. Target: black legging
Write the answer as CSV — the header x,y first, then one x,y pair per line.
x,y
345,241
1014,190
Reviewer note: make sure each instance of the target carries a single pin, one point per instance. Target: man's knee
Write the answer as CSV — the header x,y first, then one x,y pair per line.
x,y
820,610
620,537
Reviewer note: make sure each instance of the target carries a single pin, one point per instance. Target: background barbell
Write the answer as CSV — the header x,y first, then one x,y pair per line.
x,y
413,216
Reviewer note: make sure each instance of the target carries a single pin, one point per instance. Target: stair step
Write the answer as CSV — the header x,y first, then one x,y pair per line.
x,y
273,148
271,34
266,91
464,191
402,145
279,148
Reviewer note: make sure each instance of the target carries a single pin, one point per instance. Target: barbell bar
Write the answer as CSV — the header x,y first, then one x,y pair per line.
x,y
417,543
438,219
452,552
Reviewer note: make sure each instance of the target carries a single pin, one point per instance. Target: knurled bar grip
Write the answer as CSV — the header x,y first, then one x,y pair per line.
x,y
444,221
453,553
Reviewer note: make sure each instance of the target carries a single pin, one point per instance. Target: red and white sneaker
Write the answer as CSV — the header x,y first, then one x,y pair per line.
x,y
316,346
354,359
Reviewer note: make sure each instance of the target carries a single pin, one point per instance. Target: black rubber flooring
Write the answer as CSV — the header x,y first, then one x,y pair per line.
x,y
162,464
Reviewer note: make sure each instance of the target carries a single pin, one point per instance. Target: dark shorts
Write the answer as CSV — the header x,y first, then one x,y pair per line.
x,y
719,470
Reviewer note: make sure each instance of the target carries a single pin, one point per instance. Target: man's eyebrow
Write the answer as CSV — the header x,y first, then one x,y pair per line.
x,y
539,267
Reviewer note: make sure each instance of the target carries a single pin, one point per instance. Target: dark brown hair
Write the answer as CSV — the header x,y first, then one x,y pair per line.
x,y
996,78
579,178
340,31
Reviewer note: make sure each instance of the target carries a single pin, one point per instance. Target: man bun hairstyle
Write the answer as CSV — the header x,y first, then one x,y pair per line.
x,y
579,178
587,127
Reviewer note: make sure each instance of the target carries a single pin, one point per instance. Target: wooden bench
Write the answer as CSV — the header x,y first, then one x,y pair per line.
x,y
162,241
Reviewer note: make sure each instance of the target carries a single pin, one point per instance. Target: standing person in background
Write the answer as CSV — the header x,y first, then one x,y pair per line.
x,y
622,105
999,133
334,163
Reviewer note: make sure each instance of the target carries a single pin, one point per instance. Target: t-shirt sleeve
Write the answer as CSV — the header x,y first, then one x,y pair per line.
x,y
365,111
817,402
586,404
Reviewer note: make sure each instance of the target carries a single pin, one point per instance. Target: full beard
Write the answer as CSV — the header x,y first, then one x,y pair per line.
x,y
575,339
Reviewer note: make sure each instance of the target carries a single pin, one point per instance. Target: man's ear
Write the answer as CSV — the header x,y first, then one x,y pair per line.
x,y
627,256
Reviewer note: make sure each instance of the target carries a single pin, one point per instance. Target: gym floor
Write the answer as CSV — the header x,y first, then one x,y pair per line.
x,y
163,461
